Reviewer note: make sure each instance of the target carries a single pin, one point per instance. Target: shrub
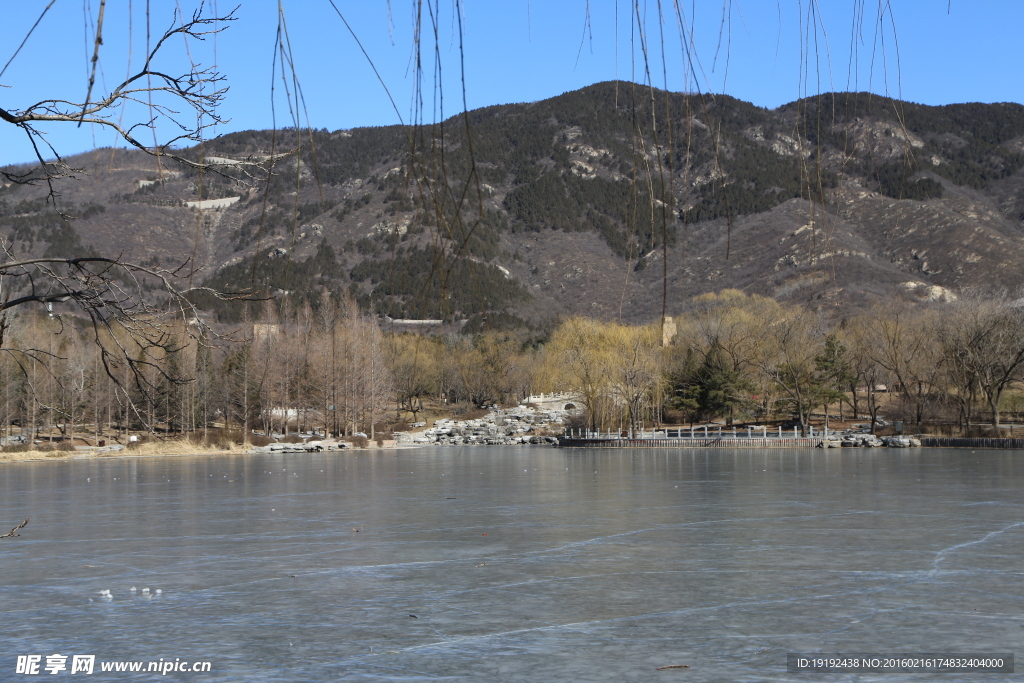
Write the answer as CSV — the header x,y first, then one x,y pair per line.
x,y
292,438
132,445
575,422
260,440
470,413
359,441
57,449
22,448
219,438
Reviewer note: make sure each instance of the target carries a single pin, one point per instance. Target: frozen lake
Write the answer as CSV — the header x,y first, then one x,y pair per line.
x,y
519,564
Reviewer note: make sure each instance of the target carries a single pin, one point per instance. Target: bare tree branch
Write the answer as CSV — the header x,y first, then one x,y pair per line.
x,y
198,92
132,328
14,531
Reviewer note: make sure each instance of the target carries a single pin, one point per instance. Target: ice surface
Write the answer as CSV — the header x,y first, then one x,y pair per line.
x,y
519,564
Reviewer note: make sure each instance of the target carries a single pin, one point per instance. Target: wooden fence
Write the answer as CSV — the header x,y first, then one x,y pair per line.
x,y
962,442
711,442
771,442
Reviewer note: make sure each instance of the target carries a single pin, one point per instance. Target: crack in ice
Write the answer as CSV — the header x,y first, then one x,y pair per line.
x,y
941,555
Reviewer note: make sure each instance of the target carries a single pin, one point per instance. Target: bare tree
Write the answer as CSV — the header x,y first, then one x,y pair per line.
x,y
132,327
187,101
864,369
413,361
902,342
796,352
578,362
635,370
983,345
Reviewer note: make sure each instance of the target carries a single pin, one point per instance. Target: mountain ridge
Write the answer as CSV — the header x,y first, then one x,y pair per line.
x,y
578,205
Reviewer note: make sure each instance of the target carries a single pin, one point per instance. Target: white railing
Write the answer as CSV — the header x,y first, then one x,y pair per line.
x,y
701,432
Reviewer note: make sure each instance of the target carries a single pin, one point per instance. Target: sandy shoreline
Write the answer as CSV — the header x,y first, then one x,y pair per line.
x,y
163,450
39,456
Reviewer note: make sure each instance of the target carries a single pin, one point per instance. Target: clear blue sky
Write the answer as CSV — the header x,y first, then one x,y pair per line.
x,y
522,50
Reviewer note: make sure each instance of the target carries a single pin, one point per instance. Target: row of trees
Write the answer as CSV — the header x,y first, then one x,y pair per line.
x,y
324,371
751,357
735,356
936,363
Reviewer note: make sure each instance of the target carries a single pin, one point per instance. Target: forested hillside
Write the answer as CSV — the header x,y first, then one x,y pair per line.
x,y
611,201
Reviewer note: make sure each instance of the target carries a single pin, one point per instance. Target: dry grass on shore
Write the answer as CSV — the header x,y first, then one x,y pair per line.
x,y
152,447
144,448
179,447
33,455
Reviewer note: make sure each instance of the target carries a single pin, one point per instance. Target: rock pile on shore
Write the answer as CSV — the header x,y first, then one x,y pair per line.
x,y
871,441
901,441
500,427
861,441
310,446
